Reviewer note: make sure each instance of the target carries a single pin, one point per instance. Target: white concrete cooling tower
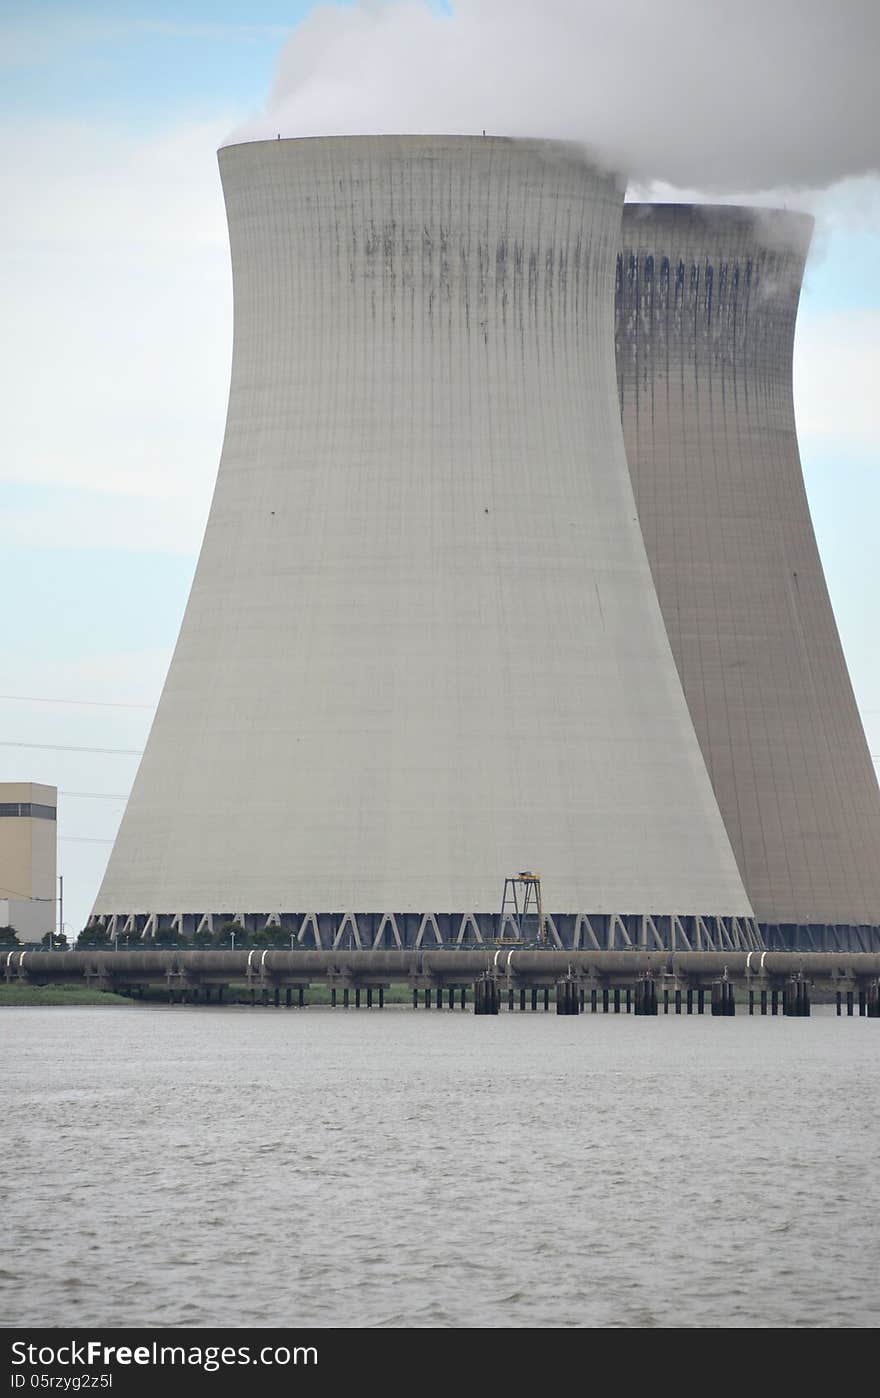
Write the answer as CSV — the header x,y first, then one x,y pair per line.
x,y
423,649
705,314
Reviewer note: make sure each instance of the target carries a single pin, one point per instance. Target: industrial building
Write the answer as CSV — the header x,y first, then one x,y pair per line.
x,y
423,648
706,303
509,568
28,854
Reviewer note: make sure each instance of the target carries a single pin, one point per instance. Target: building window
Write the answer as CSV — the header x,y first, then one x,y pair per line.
x,y
28,809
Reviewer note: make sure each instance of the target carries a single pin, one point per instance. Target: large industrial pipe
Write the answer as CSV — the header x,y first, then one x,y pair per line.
x,y
446,966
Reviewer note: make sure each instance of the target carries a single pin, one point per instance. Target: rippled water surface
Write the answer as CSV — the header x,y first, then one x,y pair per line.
x,y
200,1166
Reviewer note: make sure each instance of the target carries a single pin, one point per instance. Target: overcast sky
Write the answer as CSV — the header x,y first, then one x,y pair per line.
x,y
117,295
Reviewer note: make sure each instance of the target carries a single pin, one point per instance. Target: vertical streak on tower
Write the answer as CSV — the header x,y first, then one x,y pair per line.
x,y
705,314
423,647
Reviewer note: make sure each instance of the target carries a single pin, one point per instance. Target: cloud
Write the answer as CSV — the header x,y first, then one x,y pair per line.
x,y
716,96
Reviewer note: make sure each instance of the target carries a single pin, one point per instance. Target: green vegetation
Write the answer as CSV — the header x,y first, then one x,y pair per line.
x,y
54,941
18,994
229,935
92,938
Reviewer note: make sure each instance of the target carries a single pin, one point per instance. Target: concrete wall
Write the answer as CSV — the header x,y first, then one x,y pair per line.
x,y
422,649
705,315
31,918
28,849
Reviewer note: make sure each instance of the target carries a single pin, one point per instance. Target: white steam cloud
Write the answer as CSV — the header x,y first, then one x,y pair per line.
x,y
720,96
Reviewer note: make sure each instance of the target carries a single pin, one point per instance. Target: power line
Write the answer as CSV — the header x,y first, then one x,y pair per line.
x,y
97,795
29,897
80,703
63,747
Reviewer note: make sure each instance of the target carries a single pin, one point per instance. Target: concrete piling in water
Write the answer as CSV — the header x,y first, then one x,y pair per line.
x,y
839,1000
701,999
796,998
678,999
302,997
415,998
690,999
863,1001
345,997
568,997
594,1000
646,997
522,998
763,1000
751,1002
333,997
873,997
487,996
534,999
510,993
617,999
605,999
666,999
369,997
849,1002
774,1001
723,999
463,998
546,998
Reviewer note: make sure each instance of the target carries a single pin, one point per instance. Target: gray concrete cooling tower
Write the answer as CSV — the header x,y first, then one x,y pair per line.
x,y
423,649
705,314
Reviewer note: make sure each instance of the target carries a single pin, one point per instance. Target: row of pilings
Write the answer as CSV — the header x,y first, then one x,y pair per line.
x,y
792,999
571,997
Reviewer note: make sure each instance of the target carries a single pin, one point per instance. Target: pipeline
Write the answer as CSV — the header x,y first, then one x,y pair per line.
x,y
442,966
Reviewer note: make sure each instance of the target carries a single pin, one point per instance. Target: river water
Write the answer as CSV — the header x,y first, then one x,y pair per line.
x,y
251,1167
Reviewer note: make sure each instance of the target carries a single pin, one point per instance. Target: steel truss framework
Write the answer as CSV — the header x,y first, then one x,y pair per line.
x,y
803,936
386,931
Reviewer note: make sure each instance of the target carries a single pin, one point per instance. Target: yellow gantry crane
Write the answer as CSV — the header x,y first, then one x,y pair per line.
x,y
524,886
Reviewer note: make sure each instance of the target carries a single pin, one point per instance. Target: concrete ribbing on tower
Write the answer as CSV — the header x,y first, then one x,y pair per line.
x,y
705,314
422,649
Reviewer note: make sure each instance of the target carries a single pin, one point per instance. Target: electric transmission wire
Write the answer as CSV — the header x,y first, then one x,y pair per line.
x,y
80,703
97,795
65,747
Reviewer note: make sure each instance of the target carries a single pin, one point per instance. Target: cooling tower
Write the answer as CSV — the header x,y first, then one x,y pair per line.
x,y
705,314
423,649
